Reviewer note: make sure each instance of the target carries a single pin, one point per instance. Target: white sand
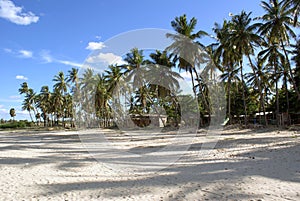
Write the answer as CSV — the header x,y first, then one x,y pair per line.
x,y
245,165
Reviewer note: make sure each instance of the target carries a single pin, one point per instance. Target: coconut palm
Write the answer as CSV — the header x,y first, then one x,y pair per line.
x,y
61,84
244,39
24,88
73,79
295,9
112,76
226,58
274,59
44,103
184,48
29,102
276,27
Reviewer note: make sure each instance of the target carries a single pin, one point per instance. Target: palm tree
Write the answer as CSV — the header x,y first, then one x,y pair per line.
x,y
258,80
86,97
244,39
101,100
184,49
12,113
29,102
276,27
73,78
274,59
24,88
61,84
44,103
57,100
112,76
226,58
160,72
294,6
134,73
60,90
296,59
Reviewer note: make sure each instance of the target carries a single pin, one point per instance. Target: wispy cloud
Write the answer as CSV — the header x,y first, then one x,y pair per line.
x,y
15,14
10,100
7,50
15,97
95,46
21,77
48,58
25,53
70,63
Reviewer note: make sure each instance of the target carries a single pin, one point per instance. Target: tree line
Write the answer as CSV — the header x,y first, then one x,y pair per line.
x,y
266,44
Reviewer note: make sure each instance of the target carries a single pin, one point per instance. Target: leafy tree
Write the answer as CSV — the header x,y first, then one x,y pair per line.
x,y
12,113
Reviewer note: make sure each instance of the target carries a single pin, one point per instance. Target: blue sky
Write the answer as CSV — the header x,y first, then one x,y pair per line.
x,y
39,38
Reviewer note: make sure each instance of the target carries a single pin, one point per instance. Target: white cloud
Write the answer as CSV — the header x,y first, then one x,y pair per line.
x,y
7,50
15,14
95,46
108,58
15,97
10,100
46,57
25,53
21,77
70,63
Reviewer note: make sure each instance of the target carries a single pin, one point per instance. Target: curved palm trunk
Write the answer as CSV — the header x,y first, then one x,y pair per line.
x,y
30,115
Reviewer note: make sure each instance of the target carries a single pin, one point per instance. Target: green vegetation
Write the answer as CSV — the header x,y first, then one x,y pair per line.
x,y
15,124
267,44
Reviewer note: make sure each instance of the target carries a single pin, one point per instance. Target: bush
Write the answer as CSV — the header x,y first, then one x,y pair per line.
x,y
16,124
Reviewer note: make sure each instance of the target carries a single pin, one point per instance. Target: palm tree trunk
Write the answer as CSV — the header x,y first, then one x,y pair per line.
x,y
30,115
277,95
204,99
229,99
244,97
261,98
290,70
287,98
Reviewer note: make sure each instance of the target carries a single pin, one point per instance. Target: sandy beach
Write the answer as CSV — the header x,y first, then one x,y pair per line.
x,y
246,164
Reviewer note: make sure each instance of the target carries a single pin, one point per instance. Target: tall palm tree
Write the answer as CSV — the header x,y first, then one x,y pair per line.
x,y
29,102
44,103
226,58
101,99
244,39
274,58
112,76
73,78
134,73
184,48
258,80
160,72
276,27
